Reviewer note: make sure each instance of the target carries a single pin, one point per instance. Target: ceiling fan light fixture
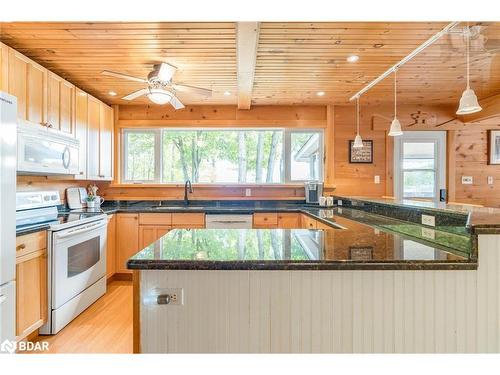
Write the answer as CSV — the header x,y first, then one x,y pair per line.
x,y
159,96
468,103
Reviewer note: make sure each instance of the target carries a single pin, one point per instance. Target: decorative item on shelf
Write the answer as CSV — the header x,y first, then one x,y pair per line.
x,y
468,101
358,142
494,147
91,201
363,154
395,129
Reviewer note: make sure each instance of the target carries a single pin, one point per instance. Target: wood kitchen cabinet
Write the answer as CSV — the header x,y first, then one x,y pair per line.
x,y
4,68
81,126
27,81
100,140
265,220
289,220
111,247
60,103
151,233
127,240
31,283
308,222
188,220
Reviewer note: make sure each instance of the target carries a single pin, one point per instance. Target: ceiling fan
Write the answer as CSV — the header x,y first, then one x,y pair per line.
x,y
160,87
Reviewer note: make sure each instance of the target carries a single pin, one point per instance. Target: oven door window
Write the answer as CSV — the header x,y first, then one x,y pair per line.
x,y
83,256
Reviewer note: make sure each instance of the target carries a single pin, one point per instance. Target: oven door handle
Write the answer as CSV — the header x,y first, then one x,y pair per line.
x,y
87,228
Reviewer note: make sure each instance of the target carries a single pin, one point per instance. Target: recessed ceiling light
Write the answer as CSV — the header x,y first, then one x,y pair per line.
x,y
320,93
112,93
227,93
353,58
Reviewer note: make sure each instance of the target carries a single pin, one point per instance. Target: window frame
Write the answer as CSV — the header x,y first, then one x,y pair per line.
x,y
285,165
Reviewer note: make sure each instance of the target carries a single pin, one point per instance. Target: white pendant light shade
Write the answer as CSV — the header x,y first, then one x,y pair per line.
x,y
358,142
468,102
395,128
159,96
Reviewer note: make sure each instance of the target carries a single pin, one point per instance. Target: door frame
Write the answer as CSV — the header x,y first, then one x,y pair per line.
x,y
439,139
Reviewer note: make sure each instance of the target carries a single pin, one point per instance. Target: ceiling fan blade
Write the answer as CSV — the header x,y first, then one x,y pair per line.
x,y
135,94
192,89
166,72
124,76
176,103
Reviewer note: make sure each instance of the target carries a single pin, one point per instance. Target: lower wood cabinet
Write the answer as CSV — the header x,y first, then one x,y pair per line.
x,y
127,240
188,220
308,222
289,220
150,233
31,283
111,247
265,220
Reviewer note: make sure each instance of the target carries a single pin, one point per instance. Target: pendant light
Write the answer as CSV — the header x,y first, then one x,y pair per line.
x,y
395,125
468,101
358,142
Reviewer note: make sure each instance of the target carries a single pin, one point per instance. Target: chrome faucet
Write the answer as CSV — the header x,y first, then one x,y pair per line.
x,y
186,200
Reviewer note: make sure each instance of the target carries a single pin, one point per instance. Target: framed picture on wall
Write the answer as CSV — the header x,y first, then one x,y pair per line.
x,y
363,154
494,147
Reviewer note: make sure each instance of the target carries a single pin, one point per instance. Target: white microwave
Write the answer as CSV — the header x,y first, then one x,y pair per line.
x,y
41,150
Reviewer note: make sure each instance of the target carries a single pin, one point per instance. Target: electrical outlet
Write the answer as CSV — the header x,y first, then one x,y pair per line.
x,y
467,180
377,179
490,180
176,296
248,192
429,220
429,233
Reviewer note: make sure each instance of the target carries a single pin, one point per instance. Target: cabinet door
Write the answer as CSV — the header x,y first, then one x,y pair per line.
x,y
127,239
81,119
111,247
66,106
289,220
31,292
188,220
61,96
308,222
151,233
94,106
265,220
18,82
53,101
36,111
106,142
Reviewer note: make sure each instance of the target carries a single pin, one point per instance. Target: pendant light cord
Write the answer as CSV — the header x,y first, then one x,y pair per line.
x,y
467,33
395,88
357,115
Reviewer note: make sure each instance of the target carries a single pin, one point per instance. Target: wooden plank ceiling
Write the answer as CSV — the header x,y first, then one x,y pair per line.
x,y
294,60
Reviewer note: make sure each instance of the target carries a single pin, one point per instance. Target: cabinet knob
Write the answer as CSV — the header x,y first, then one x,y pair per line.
x,y
21,247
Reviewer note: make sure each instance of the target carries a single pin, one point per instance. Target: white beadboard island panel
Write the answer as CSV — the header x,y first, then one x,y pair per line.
x,y
328,311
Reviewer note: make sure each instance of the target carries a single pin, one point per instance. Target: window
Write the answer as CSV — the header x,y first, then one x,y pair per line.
x,y
262,156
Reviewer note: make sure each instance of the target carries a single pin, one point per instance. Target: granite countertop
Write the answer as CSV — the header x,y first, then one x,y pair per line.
x,y
349,244
480,220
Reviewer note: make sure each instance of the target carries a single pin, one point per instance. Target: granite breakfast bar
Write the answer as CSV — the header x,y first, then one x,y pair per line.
x,y
367,283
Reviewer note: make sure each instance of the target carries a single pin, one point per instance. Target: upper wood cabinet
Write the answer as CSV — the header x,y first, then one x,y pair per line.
x,y
81,125
100,140
27,81
61,104
4,68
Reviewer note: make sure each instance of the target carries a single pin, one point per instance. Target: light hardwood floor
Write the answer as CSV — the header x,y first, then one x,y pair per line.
x,y
105,327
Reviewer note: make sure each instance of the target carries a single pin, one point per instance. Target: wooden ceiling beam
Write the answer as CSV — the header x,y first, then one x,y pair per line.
x,y
247,41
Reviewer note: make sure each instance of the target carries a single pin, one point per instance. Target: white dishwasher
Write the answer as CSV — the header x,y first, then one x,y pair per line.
x,y
228,221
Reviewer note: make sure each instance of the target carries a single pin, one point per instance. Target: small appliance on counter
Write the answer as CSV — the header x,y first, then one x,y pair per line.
x,y
76,197
314,190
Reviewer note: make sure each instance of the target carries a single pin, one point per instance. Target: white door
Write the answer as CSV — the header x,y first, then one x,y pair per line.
x,y
420,165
